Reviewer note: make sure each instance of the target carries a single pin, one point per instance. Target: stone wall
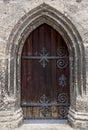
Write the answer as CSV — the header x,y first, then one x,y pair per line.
x,y
12,15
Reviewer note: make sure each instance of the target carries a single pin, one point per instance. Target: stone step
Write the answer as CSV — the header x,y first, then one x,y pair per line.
x,y
45,125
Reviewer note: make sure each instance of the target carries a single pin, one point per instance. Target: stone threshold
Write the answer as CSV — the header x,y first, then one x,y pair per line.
x,y
45,125
45,121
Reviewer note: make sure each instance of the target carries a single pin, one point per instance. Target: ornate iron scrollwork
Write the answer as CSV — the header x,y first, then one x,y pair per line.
x,y
63,112
62,98
43,99
62,81
44,110
61,63
61,52
44,57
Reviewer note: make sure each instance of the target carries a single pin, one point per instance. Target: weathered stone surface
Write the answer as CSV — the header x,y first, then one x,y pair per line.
x,y
45,126
17,20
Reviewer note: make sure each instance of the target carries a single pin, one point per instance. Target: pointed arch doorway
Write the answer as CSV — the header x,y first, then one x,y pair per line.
x,y
45,76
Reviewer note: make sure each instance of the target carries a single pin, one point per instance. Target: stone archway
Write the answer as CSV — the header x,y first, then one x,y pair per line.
x,y
52,17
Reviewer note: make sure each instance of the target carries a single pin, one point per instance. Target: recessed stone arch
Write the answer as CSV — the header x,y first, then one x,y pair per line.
x,y
33,19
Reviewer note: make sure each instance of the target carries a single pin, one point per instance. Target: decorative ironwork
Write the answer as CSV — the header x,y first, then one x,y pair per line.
x,y
43,99
62,81
61,52
63,112
44,110
44,57
62,98
61,63
45,107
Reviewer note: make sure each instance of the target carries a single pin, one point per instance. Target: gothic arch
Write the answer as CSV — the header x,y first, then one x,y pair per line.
x,y
52,17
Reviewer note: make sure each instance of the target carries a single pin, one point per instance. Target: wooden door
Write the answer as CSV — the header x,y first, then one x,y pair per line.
x,y
45,75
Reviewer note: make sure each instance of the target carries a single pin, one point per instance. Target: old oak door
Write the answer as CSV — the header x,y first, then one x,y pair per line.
x,y
45,75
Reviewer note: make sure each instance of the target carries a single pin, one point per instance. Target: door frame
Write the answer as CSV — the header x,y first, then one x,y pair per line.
x,y
46,14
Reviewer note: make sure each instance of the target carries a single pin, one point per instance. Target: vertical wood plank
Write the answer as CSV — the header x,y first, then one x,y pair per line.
x,y
36,80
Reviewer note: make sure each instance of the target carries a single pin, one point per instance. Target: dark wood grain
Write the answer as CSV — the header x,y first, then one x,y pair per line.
x,y
37,81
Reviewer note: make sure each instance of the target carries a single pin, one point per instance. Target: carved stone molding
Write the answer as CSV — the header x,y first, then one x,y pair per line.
x,y
52,17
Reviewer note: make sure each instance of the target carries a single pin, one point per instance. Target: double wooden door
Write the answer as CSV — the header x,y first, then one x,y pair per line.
x,y
45,75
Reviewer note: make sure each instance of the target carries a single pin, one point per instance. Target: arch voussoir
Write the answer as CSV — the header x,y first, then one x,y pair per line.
x,y
33,19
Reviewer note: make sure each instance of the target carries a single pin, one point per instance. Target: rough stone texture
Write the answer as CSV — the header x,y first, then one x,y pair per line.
x,y
13,32
42,125
45,126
